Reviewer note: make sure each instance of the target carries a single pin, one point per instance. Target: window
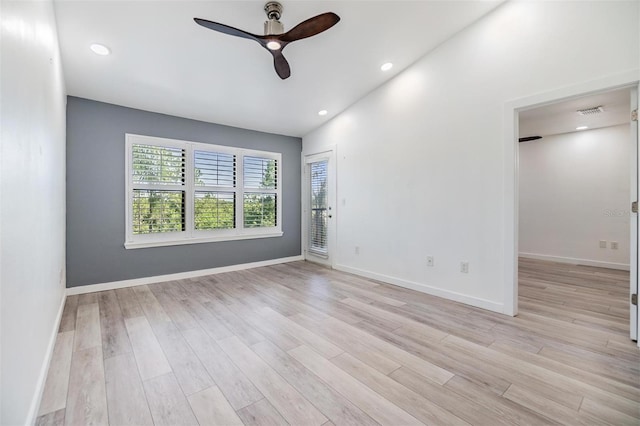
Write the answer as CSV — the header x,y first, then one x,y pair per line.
x,y
260,197
186,192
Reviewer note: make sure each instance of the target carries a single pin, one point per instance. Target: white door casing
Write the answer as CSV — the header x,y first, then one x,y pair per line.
x,y
633,219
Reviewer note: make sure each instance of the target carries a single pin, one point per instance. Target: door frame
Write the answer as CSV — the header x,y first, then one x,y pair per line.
x,y
330,154
510,173
634,193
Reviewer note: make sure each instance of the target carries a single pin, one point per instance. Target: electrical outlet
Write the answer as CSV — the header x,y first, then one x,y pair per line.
x,y
357,250
464,267
603,244
614,245
429,260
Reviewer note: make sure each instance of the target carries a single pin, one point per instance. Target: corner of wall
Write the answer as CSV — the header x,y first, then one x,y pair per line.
x,y
44,369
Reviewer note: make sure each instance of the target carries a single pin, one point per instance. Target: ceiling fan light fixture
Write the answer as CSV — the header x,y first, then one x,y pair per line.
x,y
273,45
323,112
386,66
100,49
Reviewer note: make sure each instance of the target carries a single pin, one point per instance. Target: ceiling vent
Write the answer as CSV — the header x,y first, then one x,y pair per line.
x,y
591,111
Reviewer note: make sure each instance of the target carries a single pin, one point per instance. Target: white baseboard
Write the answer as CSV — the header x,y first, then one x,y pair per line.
x,y
44,369
178,276
574,261
424,288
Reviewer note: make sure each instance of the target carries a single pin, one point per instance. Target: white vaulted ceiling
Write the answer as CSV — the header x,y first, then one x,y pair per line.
x,y
162,61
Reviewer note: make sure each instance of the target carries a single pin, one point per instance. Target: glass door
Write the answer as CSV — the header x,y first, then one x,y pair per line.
x,y
319,210
319,213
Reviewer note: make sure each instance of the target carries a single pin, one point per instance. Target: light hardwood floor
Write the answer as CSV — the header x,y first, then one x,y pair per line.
x,y
303,345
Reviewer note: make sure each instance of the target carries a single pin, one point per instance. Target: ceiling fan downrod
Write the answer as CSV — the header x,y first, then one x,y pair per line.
x,y
273,26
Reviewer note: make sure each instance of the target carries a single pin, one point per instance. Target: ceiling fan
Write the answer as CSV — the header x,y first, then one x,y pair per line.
x,y
275,39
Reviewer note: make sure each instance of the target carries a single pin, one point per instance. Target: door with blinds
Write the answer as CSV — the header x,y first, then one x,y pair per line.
x,y
319,211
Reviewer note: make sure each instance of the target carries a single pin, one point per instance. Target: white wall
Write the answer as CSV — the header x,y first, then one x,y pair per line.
x,y
421,159
32,204
574,192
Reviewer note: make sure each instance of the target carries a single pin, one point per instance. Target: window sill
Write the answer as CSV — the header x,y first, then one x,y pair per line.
x,y
180,242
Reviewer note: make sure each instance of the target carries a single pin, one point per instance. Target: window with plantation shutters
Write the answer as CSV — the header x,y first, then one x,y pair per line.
x,y
158,177
260,197
215,197
182,192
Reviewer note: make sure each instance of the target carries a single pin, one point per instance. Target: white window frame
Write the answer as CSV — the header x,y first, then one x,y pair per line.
x,y
190,235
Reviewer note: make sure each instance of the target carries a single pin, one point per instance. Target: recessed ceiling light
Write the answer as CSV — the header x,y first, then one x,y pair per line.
x,y
273,45
323,112
100,49
387,66
582,127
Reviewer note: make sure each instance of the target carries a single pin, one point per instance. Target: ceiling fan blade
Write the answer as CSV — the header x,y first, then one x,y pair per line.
x,y
310,27
281,65
225,29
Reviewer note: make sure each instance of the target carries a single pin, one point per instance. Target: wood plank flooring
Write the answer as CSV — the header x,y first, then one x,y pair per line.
x,y
304,345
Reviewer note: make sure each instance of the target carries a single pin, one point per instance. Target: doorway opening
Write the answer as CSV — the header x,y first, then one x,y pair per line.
x,y
576,236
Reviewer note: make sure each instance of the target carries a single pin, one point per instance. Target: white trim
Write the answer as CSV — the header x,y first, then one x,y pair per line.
x,y
178,276
575,261
634,316
163,243
510,172
44,369
424,288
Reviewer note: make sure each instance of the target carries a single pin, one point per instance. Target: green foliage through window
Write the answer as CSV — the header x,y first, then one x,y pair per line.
x,y
215,210
259,210
157,211
158,165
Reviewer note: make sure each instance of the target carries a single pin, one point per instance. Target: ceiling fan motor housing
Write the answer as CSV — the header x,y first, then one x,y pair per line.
x,y
273,26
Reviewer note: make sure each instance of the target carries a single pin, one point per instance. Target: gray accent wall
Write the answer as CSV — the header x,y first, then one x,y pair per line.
x,y
96,195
